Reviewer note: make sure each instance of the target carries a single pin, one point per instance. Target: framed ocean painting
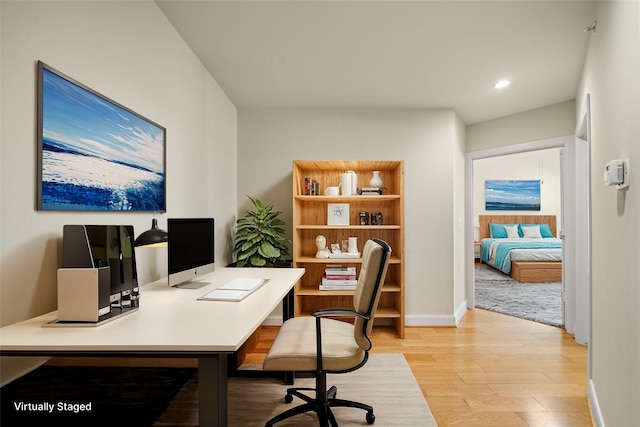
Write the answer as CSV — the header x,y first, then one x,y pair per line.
x,y
512,195
93,153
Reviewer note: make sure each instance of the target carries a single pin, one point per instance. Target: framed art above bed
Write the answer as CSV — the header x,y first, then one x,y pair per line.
x,y
522,246
512,195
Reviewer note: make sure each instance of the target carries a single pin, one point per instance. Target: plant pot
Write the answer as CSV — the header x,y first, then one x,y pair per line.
x,y
282,264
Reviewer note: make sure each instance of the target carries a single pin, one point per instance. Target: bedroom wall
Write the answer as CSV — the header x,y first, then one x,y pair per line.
x,y
612,79
129,52
429,141
541,165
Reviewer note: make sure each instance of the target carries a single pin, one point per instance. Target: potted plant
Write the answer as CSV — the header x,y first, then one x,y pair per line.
x,y
259,237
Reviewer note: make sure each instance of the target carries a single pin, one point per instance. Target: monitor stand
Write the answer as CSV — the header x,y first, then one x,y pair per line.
x,y
192,285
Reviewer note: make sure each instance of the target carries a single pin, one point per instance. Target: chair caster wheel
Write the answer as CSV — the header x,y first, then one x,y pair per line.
x,y
288,398
370,418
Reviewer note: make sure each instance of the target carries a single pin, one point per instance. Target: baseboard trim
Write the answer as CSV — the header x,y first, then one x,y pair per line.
x,y
410,320
596,415
273,321
430,320
461,312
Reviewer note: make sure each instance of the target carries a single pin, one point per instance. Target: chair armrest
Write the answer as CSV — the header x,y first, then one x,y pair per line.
x,y
327,312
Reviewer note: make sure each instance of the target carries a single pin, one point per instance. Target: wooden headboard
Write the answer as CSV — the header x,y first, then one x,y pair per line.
x,y
485,220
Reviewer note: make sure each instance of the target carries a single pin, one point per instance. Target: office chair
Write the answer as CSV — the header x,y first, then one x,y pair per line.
x,y
321,345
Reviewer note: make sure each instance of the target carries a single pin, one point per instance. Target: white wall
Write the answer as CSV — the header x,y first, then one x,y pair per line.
x,y
612,78
429,141
130,53
535,125
541,165
458,170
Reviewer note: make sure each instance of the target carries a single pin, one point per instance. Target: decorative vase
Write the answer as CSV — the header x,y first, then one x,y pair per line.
x,y
376,181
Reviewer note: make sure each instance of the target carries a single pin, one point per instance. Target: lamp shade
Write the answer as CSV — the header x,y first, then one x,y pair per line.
x,y
153,237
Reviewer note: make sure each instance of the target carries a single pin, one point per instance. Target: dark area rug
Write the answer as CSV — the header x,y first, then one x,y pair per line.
x,y
540,302
55,395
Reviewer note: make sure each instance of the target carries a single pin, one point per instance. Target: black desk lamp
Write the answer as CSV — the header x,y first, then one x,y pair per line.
x,y
152,238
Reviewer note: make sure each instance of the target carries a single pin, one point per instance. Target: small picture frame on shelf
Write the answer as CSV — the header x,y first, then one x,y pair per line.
x,y
337,213
376,218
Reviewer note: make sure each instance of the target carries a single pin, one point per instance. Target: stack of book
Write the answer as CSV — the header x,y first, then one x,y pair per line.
x,y
368,191
311,187
338,278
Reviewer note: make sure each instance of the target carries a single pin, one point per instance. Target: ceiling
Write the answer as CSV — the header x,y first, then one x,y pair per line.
x,y
389,54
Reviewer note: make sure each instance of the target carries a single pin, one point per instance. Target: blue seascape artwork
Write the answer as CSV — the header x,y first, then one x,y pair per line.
x,y
512,195
95,154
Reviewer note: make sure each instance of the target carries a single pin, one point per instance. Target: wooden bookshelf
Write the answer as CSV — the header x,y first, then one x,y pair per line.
x,y
310,220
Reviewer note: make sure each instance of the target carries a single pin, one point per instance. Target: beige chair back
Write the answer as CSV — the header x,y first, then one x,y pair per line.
x,y
375,260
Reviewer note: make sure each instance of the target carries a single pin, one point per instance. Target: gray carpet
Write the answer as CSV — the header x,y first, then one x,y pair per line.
x,y
385,382
540,302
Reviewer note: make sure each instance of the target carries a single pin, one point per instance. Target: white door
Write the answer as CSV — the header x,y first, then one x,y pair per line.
x,y
567,234
575,230
561,227
583,227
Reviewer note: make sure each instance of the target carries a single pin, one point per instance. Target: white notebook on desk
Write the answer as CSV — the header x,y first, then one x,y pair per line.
x,y
234,290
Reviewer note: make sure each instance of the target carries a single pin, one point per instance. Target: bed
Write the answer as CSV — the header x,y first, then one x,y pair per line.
x,y
523,246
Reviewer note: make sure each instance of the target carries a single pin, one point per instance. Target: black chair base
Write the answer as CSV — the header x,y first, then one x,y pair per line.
x,y
322,407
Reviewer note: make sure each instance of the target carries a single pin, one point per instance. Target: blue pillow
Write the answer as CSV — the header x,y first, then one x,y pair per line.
x,y
545,230
498,231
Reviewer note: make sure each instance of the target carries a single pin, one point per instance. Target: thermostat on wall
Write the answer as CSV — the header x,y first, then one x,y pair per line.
x,y
616,172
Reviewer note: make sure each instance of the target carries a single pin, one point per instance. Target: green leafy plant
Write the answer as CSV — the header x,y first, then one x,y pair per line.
x,y
259,237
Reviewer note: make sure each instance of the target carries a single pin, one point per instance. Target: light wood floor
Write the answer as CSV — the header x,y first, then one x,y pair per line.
x,y
493,370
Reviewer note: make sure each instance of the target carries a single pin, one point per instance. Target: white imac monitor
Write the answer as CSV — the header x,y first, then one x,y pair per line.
x,y
190,251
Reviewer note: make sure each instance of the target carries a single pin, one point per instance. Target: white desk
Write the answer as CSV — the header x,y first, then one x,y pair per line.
x,y
170,323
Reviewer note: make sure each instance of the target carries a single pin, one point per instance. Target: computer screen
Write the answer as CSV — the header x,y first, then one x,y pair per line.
x,y
190,250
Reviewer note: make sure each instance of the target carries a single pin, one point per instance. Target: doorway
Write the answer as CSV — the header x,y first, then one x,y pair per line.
x,y
574,191
530,185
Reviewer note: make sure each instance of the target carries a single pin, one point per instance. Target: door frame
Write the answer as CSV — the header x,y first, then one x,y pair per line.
x,y
573,190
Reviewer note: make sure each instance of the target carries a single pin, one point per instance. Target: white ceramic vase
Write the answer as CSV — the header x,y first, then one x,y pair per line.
x,y
376,181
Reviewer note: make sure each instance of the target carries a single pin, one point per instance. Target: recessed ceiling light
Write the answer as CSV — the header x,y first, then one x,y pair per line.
x,y
502,84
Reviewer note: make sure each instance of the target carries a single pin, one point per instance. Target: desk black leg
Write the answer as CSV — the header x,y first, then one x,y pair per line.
x,y
288,306
212,391
287,313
